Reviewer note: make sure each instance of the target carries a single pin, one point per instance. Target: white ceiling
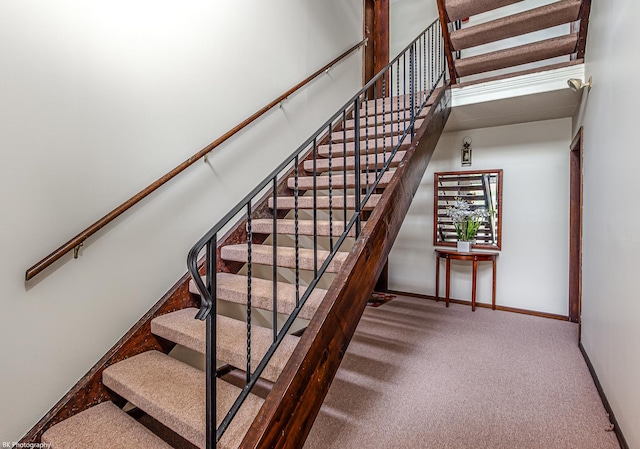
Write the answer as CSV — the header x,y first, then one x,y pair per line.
x,y
521,99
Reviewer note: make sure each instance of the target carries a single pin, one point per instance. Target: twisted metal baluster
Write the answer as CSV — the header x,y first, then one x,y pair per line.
x,y
297,231
366,141
275,260
249,275
315,208
384,119
330,193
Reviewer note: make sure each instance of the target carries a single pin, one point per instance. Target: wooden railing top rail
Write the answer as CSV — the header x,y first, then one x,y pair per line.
x,y
78,240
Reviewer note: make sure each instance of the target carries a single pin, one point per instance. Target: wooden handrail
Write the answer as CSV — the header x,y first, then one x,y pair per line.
x,y
78,240
446,37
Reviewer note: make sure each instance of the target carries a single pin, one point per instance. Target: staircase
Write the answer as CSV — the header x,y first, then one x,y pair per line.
x,y
459,39
307,244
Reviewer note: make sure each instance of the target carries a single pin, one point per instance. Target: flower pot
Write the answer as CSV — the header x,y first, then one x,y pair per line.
x,y
464,247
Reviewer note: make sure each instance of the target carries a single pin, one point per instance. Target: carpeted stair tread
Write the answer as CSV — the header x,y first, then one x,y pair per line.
x,y
174,393
337,181
286,257
231,343
305,227
338,149
338,162
547,16
372,132
382,117
233,288
523,54
322,202
102,426
461,9
403,99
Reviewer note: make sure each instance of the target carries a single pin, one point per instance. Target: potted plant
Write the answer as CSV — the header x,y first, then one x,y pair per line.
x,y
466,220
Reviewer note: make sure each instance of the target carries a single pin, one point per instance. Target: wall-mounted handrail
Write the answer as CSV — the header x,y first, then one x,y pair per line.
x,y
78,240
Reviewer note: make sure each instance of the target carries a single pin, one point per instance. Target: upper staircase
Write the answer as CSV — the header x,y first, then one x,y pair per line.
x,y
461,37
303,249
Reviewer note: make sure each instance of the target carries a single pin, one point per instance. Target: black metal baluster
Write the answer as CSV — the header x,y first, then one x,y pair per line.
x,y
275,259
399,134
344,166
391,104
366,141
330,192
357,166
404,90
297,232
412,100
249,275
210,362
424,68
315,207
384,119
375,124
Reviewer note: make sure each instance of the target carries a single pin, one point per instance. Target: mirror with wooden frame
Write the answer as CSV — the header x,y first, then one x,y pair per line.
x,y
481,189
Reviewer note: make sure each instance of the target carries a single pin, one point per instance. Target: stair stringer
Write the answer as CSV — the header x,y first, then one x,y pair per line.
x,y
289,411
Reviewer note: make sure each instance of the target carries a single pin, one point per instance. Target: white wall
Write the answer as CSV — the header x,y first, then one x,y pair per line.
x,y
610,299
97,100
407,19
532,269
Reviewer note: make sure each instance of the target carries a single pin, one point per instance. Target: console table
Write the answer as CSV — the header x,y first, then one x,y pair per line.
x,y
474,257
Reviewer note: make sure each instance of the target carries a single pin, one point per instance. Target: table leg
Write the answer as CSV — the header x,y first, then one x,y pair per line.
x,y
448,280
437,278
493,290
473,286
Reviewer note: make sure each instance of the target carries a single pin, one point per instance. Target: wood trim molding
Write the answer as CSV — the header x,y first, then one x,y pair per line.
x,y
575,227
585,11
289,412
485,306
607,406
446,37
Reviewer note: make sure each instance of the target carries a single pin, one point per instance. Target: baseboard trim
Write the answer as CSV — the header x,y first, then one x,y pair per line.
x,y
605,401
486,306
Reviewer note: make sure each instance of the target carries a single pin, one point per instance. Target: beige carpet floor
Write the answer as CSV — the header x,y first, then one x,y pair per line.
x,y
418,375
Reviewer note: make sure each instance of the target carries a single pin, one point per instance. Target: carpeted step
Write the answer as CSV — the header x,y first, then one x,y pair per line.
x,y
322,202
547,16
461,9
233,288
338,149
263,254
231,344
173,393
404,99
380,118
305,227
102,426
337,181
372,132
523,54
338,163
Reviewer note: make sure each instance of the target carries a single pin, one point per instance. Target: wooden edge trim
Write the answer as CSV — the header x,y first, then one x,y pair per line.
x,y
89,390
483,305
585,11
605,401
287,415
446,37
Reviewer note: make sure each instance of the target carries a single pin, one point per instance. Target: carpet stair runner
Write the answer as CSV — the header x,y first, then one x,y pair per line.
x,y
173,392
536,19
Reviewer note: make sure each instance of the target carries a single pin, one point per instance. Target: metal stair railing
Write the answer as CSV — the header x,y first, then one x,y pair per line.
x,y
392,100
